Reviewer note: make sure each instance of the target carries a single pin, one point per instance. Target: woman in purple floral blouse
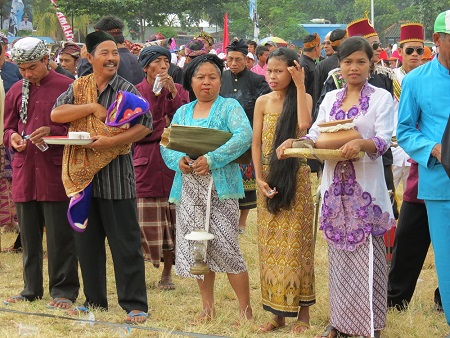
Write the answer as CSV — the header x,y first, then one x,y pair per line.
x,y
356,210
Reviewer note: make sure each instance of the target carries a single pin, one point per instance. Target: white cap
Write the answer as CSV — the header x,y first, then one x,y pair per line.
x,y
250,55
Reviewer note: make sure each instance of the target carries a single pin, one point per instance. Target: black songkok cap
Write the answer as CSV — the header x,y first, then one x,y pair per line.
x,y
191,67
238,46
95,38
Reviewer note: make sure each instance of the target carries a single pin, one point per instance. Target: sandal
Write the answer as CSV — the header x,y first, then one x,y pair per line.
x,y
59,303
166,286
271,325
330,332
136,317
79,310
14,299
300,327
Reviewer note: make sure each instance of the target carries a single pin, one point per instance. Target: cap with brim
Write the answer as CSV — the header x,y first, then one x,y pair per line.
x,y
411,32
95,38
250,55
442,23
271,43
362,27
396,55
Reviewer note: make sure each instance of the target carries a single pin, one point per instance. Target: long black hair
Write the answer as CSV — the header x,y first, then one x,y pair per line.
x,y
283,174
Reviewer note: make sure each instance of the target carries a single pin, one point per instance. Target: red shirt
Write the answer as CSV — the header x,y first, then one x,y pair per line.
x,y
36,174
412,184
153,178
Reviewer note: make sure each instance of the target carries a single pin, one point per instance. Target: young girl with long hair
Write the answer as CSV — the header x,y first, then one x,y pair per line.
x,y
285,208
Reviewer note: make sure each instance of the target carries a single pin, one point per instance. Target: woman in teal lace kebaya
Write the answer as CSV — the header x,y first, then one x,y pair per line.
x,y
192,180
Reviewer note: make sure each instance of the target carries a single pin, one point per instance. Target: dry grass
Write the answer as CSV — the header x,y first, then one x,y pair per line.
x,y
172,310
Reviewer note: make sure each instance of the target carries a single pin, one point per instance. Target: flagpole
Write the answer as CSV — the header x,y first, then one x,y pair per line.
x,y
371,12
255,23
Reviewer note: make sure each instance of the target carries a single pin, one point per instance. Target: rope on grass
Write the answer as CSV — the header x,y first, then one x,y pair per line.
x,y
92,322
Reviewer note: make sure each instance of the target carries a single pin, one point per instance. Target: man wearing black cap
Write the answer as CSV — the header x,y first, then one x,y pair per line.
x,y
113,212
245,86
129,67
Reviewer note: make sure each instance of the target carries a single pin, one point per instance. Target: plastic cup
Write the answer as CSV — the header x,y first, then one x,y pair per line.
x,y
28,330
42,146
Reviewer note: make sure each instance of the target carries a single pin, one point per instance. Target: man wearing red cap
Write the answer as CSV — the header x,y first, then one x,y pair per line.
x,y
411,50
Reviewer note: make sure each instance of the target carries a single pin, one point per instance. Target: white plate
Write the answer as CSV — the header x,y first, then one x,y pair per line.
x,y
63,140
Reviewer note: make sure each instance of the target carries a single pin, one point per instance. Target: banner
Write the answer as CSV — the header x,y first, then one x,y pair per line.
x,y
63,22
252,10
226,39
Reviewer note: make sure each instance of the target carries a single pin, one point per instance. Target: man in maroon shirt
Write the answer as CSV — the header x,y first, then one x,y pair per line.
x,y
38,190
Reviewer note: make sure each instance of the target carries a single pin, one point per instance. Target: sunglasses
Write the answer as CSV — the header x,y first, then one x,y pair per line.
x,y
410,50
376,45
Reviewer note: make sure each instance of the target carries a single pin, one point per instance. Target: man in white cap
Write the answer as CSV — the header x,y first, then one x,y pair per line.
x,y
38,190
422,116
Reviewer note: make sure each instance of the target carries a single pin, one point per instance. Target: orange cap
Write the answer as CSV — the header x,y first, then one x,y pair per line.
x,y
427,55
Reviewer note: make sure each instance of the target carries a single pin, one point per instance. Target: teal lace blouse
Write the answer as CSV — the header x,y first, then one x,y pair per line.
x,y
226,114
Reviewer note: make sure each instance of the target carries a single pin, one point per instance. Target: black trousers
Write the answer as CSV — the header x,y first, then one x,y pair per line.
x,y
61,252
412,240
117,221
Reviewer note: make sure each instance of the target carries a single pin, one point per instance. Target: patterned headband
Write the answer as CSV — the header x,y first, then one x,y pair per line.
x,y
313,43
207,37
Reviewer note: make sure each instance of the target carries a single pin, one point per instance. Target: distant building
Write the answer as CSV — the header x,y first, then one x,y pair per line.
x,y
391,34
321,29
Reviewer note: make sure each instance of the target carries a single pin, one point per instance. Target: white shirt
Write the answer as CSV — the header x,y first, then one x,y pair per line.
x,y
26,26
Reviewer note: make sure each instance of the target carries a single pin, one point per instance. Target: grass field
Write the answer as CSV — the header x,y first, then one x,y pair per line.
x,y
171,311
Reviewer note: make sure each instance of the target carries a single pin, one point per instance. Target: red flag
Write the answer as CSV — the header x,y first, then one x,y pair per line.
x,y
226,39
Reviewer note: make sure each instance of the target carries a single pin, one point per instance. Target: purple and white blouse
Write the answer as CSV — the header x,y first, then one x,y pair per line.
x,y
355,199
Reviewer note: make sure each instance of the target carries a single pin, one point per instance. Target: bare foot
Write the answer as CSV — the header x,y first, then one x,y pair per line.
x,y
204,316
166,283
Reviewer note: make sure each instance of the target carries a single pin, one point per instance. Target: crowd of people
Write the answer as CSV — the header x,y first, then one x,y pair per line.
x,y
144,199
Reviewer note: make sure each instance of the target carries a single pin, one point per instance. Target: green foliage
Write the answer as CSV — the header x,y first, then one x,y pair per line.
x,y
168,32
279,18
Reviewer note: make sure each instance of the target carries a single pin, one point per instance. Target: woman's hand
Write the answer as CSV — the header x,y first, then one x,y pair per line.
x,y
265,189
283,146
351,149
200,166
185,165
168,83
298,74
